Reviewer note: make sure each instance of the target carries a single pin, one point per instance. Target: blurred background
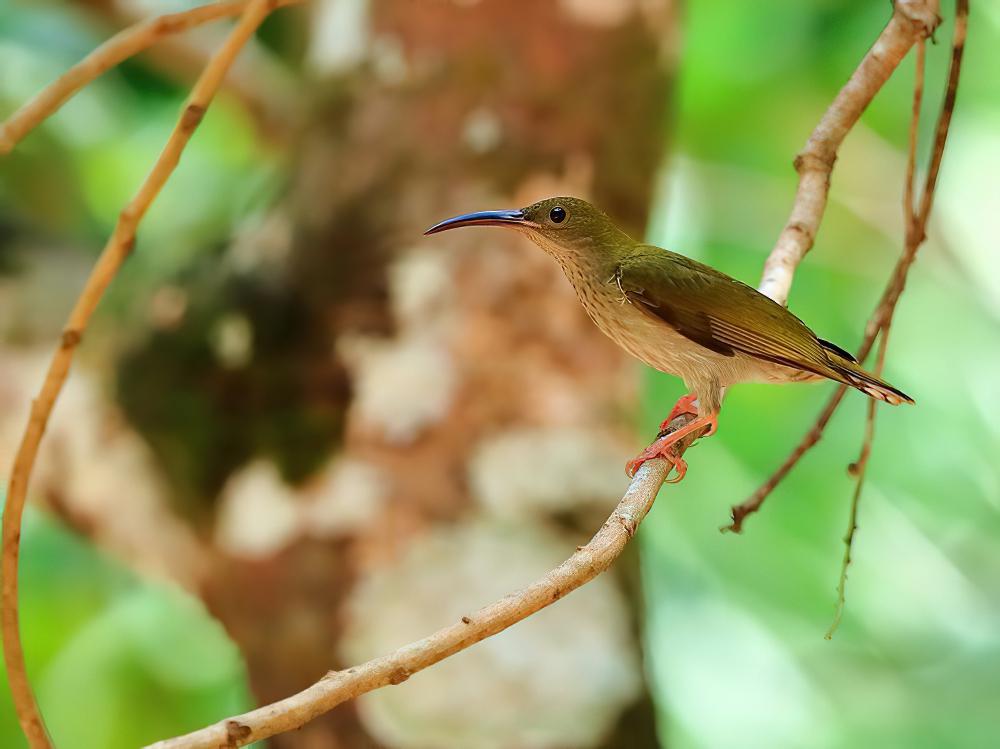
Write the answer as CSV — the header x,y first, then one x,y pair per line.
x,y
299,434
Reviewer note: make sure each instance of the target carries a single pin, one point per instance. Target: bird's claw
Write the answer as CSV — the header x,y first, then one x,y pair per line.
x,y
663,446
658,451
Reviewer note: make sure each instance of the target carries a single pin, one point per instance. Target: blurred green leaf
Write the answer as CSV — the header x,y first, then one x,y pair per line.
x,y
116,661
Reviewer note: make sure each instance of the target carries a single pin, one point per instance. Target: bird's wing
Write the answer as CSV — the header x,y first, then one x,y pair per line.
x,y
717,311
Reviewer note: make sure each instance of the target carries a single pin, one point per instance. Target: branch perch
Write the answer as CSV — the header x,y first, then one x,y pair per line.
x,y
339,686
115,252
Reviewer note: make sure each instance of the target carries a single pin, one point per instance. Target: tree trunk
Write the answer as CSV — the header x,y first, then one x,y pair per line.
x,y
428,368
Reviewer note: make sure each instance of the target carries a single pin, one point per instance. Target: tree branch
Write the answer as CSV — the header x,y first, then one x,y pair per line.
x,y
339,686
114,51
859,468
115,252
911,20
884,310
915,224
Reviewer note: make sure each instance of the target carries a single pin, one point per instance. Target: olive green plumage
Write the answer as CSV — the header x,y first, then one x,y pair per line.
x,y
727,316
676,314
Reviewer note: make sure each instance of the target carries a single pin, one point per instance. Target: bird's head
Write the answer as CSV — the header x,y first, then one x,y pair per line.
x,y
560,226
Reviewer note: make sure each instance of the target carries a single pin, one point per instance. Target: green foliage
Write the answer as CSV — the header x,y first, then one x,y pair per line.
x,y
116,661
76,171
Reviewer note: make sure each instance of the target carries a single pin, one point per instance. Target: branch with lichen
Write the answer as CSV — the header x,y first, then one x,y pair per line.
x,y
115,252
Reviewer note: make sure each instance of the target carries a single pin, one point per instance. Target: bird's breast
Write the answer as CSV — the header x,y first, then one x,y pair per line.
x,y
651,340
618,318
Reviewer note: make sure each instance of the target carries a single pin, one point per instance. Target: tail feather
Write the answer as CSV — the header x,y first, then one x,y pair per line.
x,y
851,373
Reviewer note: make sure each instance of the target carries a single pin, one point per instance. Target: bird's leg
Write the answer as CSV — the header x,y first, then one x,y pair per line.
x,y
663,447
684,405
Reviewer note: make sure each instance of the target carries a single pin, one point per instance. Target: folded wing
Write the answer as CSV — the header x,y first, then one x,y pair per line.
x,y
719,312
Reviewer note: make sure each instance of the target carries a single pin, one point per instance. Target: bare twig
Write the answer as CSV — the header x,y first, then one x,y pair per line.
x,y
911,20
909,181
114,51
857,469
339,686
117,249
750,505
889,297
915,224
916,232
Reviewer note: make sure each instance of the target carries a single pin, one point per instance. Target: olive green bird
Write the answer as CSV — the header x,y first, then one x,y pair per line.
x,y
678,315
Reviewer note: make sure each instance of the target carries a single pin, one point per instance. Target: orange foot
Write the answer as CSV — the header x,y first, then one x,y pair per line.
x,y
662,448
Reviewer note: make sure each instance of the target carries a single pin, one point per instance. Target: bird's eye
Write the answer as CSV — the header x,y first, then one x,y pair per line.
x,y
557,215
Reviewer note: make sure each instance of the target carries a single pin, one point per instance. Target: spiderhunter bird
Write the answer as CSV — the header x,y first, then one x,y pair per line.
x,y
678,315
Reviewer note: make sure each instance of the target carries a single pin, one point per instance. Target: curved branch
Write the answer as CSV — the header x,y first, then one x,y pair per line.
x,y
115,252
114,51
339,686
911,21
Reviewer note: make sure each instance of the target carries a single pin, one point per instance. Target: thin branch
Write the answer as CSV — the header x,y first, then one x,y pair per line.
x,y
858,469
114,51
749,506
909,181
115,252
339,686
916,233
887,304
915,226
911,20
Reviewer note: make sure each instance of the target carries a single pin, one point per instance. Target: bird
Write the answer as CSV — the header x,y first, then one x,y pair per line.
x,y
678,316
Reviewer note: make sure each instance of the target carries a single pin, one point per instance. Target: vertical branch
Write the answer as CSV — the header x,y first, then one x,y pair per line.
x,y
115,252
916,234
909,209
915,225
858,469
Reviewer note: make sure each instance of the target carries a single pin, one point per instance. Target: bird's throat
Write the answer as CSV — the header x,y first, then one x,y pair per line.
x,y
583,264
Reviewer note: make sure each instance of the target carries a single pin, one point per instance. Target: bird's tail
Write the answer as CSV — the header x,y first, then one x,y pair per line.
x,y
851,373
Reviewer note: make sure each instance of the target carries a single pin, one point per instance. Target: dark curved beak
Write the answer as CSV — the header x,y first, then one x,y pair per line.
x,y
481,218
